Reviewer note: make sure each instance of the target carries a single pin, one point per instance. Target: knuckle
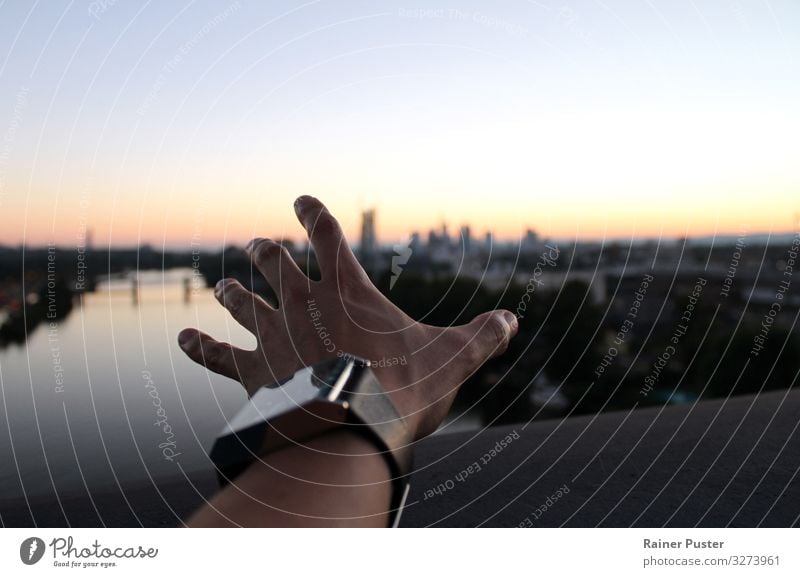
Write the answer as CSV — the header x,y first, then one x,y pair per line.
x,y
475,352
212,355
289,295
351,287
267,250
235,302
490,340
467,346
325,226
282,255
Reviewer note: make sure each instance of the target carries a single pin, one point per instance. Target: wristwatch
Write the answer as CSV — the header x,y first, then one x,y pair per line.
x,y
341,392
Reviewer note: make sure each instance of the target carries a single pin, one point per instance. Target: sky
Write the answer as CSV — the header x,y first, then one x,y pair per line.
x,y
198,123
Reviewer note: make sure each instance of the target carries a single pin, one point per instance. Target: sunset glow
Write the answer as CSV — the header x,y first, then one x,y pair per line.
x,y
577,124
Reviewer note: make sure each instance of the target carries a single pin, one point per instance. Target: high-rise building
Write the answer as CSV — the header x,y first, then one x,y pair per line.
x,y
466,238
530,241
368,250
488,241
445,234
415,243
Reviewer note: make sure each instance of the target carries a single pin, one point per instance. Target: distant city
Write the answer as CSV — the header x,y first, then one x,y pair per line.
x,y
754,259
603,325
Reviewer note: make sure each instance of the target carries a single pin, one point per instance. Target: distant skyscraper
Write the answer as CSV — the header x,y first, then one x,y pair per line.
x,y
368,251
531,241
466,238
416,241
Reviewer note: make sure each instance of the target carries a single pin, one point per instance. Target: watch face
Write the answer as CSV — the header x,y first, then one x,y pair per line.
x,y
318,381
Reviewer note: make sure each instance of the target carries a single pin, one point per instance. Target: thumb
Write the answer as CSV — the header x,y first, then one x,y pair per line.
x,y
492,331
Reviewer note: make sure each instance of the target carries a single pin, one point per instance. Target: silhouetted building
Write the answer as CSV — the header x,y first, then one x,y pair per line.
x,y
466,238
368,250
416,242
530,241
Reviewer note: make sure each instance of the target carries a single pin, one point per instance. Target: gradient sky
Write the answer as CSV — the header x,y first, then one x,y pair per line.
x,y
164,122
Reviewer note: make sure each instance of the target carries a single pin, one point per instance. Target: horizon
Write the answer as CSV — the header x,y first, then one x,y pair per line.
x,y
724,239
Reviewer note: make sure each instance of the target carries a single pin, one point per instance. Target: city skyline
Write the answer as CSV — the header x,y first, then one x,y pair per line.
x,y
476,237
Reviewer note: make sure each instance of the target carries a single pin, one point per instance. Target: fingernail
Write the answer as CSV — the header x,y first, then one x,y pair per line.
x,y
219,287
253,243
184,337
511,319
302,202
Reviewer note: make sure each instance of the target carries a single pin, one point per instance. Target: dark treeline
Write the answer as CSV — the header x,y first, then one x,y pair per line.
x,y
575,353
564,338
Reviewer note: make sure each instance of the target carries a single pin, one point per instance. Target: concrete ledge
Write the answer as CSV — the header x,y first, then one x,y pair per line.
x,y
711,464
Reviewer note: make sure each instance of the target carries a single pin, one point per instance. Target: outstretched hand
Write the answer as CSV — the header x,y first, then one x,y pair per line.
x,y
419,365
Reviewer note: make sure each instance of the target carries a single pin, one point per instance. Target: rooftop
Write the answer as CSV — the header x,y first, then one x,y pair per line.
x,y
714,463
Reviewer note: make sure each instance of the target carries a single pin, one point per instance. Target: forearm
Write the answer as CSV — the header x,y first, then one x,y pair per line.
x,y
338,479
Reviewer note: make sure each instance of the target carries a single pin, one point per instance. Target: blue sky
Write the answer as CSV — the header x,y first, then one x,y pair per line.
x,y
158,121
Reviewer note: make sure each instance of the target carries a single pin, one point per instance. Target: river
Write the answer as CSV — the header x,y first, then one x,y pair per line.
x,y
105,396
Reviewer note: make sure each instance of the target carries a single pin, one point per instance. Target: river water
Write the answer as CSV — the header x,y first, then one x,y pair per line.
x,y
105,396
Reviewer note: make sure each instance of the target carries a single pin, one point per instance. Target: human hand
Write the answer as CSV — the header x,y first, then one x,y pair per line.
x,y
419,365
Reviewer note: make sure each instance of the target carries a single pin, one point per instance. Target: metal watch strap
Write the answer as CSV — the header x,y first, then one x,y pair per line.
x,y
373,414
